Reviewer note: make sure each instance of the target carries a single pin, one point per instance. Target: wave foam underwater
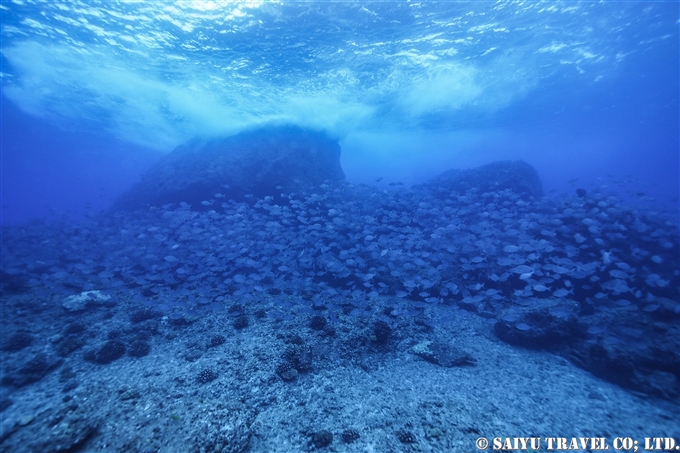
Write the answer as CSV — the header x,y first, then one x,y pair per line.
x,y
159,74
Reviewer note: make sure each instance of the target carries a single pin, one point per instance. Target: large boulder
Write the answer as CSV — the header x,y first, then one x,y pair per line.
x,y
516,175
254,162
636,349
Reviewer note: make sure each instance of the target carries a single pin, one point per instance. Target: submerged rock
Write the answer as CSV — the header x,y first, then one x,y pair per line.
x,y
442,354
32,370
260,162
516,175
79,302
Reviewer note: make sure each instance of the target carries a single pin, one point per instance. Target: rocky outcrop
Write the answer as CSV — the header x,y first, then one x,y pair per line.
x,y
254,162
516,175
636,349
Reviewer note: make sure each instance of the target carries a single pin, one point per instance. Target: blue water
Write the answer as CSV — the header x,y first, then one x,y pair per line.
x,y
406,308
94,93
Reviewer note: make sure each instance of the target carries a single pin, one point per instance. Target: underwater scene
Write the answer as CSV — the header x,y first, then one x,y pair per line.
x,y
339,226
